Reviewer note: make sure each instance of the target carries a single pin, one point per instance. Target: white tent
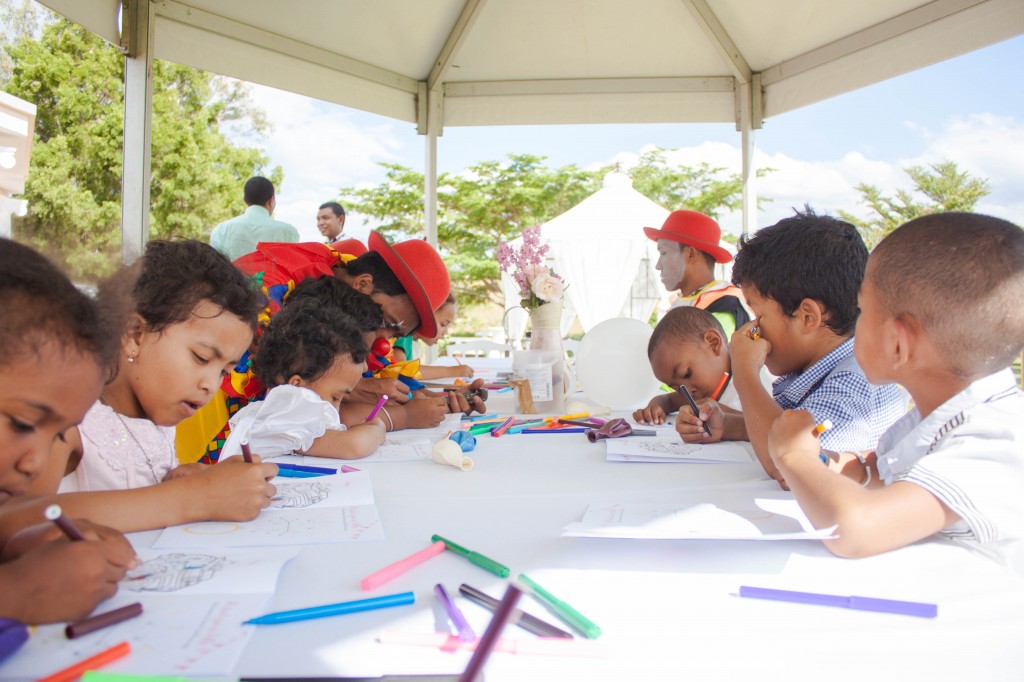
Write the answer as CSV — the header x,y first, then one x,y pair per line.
x,y
598,246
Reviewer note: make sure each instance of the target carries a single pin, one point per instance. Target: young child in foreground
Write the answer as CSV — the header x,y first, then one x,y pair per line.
x,y
688,348
800,277
942,315
56,356
190,316
311,356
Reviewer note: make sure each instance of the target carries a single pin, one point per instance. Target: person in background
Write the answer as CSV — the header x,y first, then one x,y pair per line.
x,y
688,248
942,315
330,220
239,236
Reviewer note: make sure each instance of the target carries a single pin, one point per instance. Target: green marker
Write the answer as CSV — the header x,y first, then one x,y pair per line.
x,y
97,676
500,570
483,428
558,607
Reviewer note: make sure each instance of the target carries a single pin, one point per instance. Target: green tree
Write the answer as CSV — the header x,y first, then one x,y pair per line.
x,y
493,201
74,184
938,188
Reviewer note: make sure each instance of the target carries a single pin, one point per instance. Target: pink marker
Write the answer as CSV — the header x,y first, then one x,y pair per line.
x,y
346,469
394,570
376,408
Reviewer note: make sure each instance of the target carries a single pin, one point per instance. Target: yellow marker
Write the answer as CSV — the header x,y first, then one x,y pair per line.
x,y
579,415
753,333
822,427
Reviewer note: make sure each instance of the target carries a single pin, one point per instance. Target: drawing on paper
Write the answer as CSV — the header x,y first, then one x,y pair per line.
x,y
665,447
173,572
212,528
298,495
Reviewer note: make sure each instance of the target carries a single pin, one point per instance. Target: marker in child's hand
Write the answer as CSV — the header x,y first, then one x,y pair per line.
x,y
755,333
376,408
246,452
817,431
693,406
56,514
721,386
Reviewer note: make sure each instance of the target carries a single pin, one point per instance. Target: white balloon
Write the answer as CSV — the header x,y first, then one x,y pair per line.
x,y
612,366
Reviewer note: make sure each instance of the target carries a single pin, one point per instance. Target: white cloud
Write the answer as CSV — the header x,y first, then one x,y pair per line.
x,y
321,147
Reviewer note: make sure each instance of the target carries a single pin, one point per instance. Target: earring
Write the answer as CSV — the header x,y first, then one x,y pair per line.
x,y
131,358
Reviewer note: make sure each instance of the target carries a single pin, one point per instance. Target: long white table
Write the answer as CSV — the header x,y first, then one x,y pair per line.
x,y
668,609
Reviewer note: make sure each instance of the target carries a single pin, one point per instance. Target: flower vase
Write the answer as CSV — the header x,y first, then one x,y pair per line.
x,y
544,363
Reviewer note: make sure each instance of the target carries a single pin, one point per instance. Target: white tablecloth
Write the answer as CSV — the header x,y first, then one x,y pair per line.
x,y
668,609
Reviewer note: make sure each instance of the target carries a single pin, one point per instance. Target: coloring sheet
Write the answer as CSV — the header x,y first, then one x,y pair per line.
x,y
279,527
669,447
728,518
395,450
220,571
340,490
181,635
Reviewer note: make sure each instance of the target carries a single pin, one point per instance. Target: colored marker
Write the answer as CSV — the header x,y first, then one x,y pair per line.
x,y
491,634
755,332
375,580
817,431
78,669
308,469
518,428
457,359
480,417
500,430
906,608
500,570
103,620
290,473
693,406
578,415
715,394
567,613
376,408
479,429
55,514
346,469
339,609
519,617
575,429
246,452
466,633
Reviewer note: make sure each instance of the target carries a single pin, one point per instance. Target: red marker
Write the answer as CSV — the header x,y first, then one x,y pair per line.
x,y
101,659
56,514
720,387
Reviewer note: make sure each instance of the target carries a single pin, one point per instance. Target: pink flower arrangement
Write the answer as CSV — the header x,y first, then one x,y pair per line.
x,y
537,283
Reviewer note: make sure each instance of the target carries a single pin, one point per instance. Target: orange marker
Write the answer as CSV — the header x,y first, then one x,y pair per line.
x,y
822,427
101,659
720,387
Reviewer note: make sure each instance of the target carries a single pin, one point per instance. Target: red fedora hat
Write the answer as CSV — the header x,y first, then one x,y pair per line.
x,y
418,266
693,229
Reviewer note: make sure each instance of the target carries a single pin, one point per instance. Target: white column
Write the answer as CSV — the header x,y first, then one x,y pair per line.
x,y
433,129
748,174
137,43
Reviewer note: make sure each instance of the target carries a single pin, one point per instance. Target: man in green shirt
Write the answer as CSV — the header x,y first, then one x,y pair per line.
x,y
239,236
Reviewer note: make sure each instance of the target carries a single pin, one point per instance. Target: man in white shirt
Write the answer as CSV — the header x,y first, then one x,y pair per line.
x,y
330,220
239,236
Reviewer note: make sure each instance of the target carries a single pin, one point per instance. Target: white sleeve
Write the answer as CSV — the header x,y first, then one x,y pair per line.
x,y
288,420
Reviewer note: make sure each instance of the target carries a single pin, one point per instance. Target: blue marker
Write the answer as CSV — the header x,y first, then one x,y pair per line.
x,y
307,469
342,608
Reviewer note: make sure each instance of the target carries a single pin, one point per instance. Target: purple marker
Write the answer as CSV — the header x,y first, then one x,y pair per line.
x,y
906,608
466,633
376,408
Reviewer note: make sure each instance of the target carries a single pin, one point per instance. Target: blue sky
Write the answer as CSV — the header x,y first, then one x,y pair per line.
x,y
968,109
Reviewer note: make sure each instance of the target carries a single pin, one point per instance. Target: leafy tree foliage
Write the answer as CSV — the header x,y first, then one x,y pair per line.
x,y
940,187
74,185
493,201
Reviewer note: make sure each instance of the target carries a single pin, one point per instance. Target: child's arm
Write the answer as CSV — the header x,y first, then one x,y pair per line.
x,y
355,442
446,371
230,491
658,408
62,580
871,520
759,407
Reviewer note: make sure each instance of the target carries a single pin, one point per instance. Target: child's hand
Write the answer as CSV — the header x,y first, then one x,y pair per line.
x,y
652,414
64,580
33,537
237,491
369,390
691,427
747,353
459,402
425,413
183,470
465,371
791,435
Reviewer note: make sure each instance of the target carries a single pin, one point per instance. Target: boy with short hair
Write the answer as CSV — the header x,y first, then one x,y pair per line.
x,y
800,277
942,313
689,348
